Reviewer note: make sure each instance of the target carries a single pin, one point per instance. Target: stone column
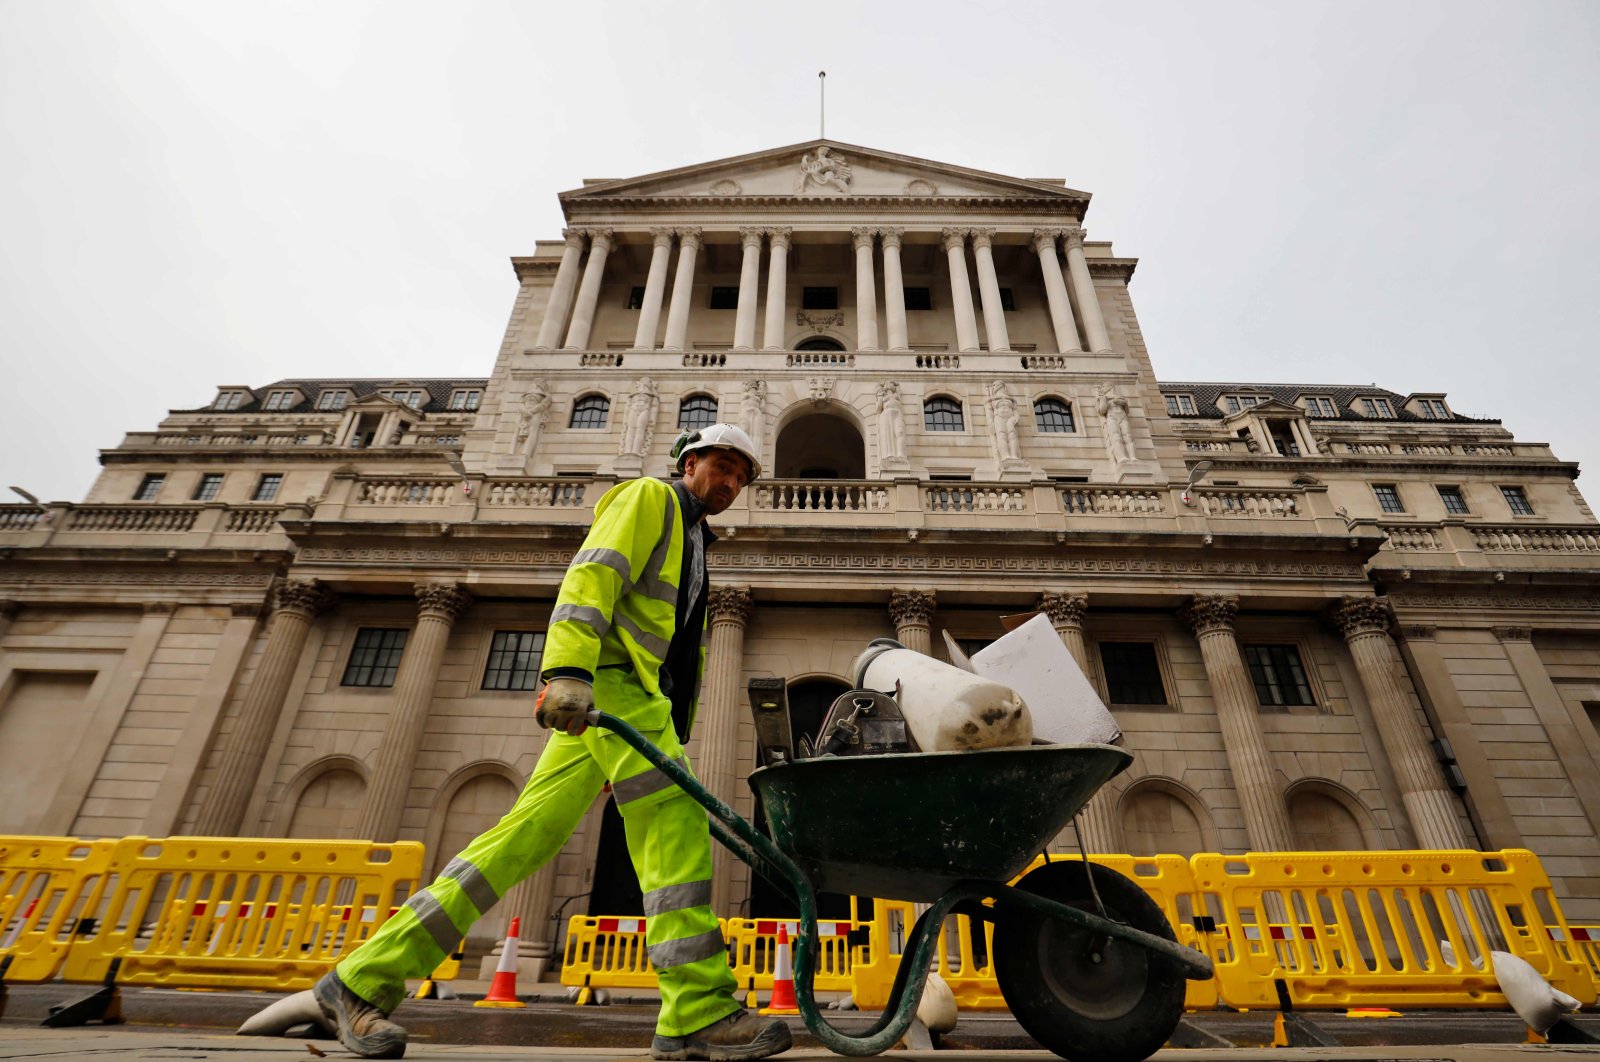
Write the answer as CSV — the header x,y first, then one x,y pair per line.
x,y
438,606
1260,798
655,287
729,609
866,291
777,275
1094,323
955,248
589,292
1097,822
1055,290
744,321
682,289
555,312
994,315
1364,622
894,289
912,612
243,757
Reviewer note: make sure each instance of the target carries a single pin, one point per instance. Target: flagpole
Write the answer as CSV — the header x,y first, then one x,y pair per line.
x,y
822,103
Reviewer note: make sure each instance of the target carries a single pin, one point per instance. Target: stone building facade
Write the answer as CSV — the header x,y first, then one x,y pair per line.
x,y
1325,616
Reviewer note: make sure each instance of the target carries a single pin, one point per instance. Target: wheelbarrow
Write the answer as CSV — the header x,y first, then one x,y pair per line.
x,y
1084,958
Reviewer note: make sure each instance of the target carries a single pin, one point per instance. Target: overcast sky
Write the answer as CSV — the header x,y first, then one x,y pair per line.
x,y
195,194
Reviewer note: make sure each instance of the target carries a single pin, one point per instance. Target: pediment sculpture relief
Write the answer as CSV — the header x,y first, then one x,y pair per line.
x,y
824,170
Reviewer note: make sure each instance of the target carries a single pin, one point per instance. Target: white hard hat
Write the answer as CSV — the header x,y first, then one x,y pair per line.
x,y
717,436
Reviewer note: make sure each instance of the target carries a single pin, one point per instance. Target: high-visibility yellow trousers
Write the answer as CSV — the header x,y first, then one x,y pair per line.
x,y
668,840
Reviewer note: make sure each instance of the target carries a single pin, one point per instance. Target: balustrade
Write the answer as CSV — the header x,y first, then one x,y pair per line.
x,y
1366,448
600,360
1482,450
535,493
1248,502
819,359
1426,449
19,518
938,361
824,496
1537,539
1043,361
1110,501
120,518
405,492
973,498
700,360
1206,444
1412,538
251,521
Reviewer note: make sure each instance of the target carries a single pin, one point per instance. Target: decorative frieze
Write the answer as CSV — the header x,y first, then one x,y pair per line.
x,y
1514,634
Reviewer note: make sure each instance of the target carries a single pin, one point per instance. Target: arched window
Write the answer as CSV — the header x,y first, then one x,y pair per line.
x,y
697,411
820,343
942,414
1052,415
590,411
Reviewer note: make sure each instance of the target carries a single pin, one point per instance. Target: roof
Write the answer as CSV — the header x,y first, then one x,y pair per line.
x,y
1207,396
439,392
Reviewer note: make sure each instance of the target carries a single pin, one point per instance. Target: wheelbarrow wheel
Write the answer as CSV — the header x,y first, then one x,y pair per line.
x,y
1083,995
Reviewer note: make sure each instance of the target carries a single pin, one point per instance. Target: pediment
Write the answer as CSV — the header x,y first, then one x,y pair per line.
x,y
822,169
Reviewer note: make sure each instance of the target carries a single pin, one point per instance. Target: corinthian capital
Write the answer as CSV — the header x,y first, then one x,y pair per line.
x,y
751,236
862,236
1360,615
662,237
779,238
891,237
1075,236
911,607
689,238
1209,613
1064,610
983,238
954,239
574,237
1045,239
309,597
442,600
730,604
600,239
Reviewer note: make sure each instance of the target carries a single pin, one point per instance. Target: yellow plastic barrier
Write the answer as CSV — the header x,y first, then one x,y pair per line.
x,y
1347,929
51,889
1586,942
753,948
240,912
607,953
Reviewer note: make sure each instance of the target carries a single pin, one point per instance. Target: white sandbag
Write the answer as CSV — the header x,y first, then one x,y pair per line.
x,y
947,709
937,1007
284,1015
1535,1000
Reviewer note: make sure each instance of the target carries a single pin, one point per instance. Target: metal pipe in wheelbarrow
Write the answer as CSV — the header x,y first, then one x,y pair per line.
x,y
748,843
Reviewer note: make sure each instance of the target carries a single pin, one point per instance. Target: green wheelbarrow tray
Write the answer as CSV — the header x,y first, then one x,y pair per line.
x,y
950,829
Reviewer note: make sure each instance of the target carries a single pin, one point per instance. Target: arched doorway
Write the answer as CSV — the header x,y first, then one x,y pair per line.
x,y
820,446
1161,817
820,343
477,805
329,806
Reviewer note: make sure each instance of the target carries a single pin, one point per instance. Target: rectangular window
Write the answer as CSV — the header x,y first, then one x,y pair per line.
x,y
1388,497
635,298
267,486
819,298
1178,405
1518,500
514,660
414,399
724,298
1455,503
229,400
1279,676
465,400
278,401
1008,299
1321,407
1432,409
919,298
1238,402
1376,407
332,401
210,486
1133,675
150,486
375,658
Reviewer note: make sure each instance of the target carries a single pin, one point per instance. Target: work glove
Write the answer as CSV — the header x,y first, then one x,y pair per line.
x,y
564,704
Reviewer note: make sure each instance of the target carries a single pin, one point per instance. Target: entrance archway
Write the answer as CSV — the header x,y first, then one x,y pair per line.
x,y
820,446
820,343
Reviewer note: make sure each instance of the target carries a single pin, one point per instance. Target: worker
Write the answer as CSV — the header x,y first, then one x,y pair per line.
x,y
625,636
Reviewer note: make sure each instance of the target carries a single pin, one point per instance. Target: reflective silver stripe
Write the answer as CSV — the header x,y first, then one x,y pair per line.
x,y
642,785
472,882
609,558
670,898
434,920
689,949
656,647
587,615
652,583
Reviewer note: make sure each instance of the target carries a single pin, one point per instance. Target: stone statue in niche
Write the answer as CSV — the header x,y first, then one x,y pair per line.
x,y
753,410
639,424
534,404
1003,411
823,169
891,425
1113,409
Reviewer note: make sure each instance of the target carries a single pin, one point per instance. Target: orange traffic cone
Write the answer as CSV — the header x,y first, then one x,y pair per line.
x,y
503,989
783,1001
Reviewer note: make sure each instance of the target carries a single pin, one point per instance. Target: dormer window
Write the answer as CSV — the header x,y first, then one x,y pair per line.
x,y
1320,406
332,401
416,398
1432,409
1180,405
1234,403
280,401
1376,407
230,399
465,400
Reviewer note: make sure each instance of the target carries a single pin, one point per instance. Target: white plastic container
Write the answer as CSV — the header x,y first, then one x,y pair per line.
x,y
947,709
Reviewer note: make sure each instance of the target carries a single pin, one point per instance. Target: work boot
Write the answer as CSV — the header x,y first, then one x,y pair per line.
x,y
363,1028
740,1035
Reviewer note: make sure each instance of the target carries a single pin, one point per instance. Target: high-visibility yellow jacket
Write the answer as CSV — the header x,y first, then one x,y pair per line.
x,y
618,603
